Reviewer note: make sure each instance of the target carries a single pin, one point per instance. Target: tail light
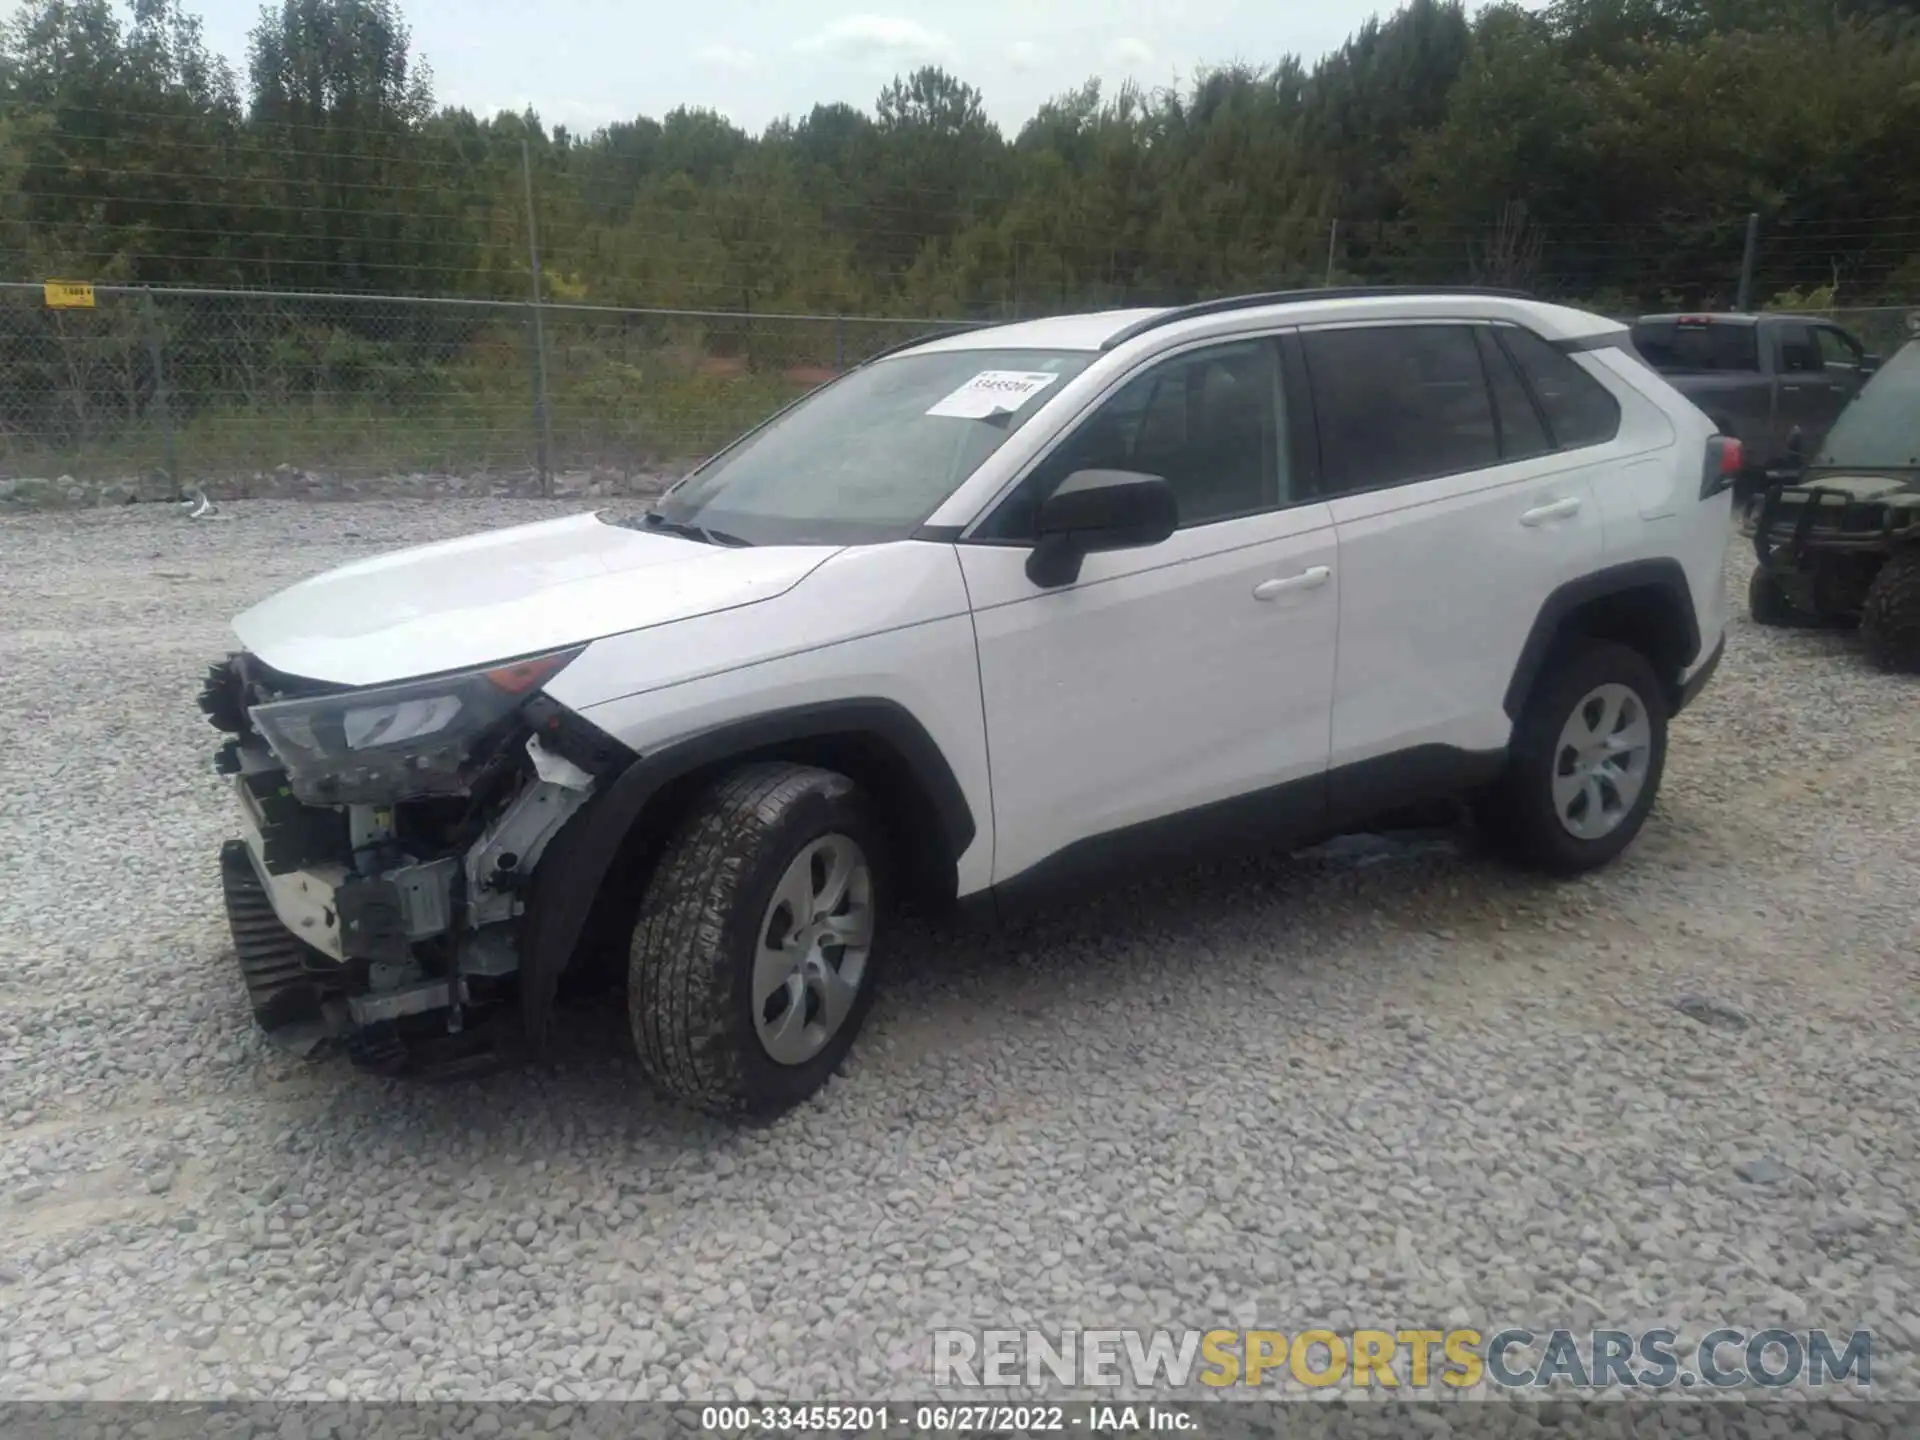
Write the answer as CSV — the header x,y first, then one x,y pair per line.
x,y
1725,460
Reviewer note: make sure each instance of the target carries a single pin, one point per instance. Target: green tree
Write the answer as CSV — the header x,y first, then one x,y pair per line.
x,y
123,134
937,168
1600,147
347,179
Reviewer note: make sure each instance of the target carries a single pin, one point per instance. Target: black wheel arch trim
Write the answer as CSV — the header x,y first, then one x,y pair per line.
x,y
575,865
1690,691
1662,575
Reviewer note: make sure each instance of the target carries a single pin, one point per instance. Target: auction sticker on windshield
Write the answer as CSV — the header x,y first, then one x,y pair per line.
x,y
992,391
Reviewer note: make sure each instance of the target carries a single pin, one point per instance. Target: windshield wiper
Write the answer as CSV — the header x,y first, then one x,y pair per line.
x,y
654,520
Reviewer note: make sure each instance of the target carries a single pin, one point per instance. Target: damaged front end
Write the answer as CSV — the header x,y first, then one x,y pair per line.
x,y
389,837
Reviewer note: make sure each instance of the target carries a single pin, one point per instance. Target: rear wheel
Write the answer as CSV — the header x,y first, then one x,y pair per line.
x,y
1585,762
1767,602
752,963
1890,615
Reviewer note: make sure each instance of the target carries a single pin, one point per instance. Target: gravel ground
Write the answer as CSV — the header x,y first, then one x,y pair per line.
x,y
1391,1086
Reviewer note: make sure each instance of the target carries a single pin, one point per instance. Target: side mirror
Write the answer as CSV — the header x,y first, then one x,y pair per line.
x,y
1096,510
1869,364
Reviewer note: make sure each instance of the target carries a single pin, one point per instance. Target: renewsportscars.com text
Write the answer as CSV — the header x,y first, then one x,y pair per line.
x,y
1412,1359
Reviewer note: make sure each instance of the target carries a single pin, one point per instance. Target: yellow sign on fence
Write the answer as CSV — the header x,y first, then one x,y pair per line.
x,y
70,294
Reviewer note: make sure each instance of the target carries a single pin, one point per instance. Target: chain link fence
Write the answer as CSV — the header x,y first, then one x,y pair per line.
x,y
139,393
133,393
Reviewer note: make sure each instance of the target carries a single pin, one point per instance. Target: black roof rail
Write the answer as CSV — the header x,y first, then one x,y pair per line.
x,y
947,327
1717,317
1296,297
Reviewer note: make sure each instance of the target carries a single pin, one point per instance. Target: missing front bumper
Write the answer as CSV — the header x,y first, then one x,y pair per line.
x,y
341,932
299,995
292,987
327,956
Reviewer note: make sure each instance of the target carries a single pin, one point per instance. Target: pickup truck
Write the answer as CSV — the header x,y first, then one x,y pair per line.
x,y
1774,382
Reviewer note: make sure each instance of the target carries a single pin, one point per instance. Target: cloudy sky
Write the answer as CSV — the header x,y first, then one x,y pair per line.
x,y
585,62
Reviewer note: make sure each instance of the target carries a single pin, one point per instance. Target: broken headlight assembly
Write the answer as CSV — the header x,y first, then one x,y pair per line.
x,y
395,742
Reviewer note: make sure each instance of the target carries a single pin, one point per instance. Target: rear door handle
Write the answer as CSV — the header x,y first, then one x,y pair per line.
x,y
1305,580
1556,510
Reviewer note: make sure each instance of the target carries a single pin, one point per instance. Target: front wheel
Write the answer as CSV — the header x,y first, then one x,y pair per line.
x,y
1890,615
752,963
1585,762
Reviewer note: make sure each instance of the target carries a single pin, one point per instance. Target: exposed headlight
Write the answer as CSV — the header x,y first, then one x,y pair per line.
x,y
398,720
380,745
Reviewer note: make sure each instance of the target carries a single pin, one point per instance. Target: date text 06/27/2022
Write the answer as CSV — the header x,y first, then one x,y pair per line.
x,y
954,1419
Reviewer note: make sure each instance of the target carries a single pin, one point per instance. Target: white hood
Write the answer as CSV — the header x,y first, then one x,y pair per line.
x,y
461,603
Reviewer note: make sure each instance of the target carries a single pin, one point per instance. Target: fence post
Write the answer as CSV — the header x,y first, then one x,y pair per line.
x,y
163,401
1744,300
1333,241
543,434
839,344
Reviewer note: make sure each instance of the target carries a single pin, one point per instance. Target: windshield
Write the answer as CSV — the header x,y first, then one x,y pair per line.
x,y
1880,430
872,455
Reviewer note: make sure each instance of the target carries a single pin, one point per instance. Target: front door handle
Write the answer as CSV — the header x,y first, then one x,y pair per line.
x,y
1557,510
1305,580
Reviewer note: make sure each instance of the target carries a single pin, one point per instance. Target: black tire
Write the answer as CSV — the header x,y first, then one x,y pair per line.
x,y
1767,602
1517,813
690,966
1890,615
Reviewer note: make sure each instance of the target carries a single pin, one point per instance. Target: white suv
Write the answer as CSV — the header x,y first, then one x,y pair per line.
x,y
990,612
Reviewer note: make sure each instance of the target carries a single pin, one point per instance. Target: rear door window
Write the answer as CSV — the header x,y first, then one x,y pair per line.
x,y
1399,403
1522,433
1799,354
